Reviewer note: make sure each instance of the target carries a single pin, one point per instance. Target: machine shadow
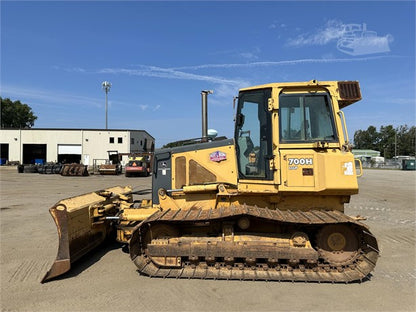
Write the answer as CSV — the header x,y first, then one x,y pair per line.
x,y
89,259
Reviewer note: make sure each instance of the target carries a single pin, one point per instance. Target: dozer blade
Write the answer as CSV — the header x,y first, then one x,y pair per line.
x,y
82,226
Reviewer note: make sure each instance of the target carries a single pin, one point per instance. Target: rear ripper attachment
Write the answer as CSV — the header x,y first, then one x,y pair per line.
x,y
252,243
82,224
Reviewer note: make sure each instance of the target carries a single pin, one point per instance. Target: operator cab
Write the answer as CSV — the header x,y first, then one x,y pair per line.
x,y
306,119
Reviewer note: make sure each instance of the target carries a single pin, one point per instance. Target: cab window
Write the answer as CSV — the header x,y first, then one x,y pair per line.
x,y
253,134
306,118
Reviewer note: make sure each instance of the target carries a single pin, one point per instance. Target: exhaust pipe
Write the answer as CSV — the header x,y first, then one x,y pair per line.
x,y
204,96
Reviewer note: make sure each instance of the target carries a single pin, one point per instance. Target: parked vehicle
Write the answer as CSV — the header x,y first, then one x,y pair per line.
x,y
138,165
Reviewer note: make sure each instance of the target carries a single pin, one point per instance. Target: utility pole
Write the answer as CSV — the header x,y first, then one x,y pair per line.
x,y
106,86
395,145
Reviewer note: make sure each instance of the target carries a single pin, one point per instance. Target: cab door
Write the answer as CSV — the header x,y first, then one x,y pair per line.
x,y
253,135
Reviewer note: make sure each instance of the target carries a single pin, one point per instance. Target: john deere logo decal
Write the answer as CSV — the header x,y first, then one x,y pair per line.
x,y
217,156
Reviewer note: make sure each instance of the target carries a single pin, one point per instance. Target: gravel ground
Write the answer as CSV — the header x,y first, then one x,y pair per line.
x,y
108,281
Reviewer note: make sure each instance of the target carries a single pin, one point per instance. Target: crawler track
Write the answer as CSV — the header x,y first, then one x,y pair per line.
x,y
195,245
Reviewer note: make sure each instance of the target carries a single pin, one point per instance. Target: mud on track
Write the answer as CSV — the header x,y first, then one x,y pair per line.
x,y
108,281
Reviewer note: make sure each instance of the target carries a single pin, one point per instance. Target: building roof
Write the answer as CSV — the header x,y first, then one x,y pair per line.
x,y
78,129
365,152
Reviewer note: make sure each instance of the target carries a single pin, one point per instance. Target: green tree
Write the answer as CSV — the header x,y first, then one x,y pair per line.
x,y
366,139
406,140
15,114
387,142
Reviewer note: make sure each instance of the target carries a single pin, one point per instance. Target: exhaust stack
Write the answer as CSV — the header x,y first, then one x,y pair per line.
x,y
204,96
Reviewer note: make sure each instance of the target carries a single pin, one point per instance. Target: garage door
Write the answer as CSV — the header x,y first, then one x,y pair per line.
x,y
69,153
34,153
69,149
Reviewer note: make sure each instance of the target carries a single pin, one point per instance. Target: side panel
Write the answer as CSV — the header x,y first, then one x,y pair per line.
x,y
327,171
203,166
194,164
162,173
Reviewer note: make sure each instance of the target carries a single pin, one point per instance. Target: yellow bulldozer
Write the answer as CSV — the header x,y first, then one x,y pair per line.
x,y
267,204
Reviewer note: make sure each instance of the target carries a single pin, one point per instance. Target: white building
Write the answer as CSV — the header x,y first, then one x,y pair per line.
x,y
70,145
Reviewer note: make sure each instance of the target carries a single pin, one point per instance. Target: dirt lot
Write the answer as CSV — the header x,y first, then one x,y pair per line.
x,y
108,280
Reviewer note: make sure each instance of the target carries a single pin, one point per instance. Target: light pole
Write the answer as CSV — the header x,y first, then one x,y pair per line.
x,y
106,86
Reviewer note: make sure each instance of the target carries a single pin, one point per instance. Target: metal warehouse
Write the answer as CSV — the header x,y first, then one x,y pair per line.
x,y
29,146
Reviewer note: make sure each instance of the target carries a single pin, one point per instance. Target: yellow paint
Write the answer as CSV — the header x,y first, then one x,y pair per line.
x,y
200,188
137,214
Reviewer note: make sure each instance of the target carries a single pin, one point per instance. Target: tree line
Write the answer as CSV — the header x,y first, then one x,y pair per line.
x,y
389,141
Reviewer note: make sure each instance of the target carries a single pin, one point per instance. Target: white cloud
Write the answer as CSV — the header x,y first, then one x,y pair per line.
x,y
143,107
276,24
280,63
223,94
48,98
224,88
70,69
251,55
169,73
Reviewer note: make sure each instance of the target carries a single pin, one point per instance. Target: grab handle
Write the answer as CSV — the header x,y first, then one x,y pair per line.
x,y
361,167
344,125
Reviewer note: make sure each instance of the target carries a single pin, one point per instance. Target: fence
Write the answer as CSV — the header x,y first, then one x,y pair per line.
x,y
387,164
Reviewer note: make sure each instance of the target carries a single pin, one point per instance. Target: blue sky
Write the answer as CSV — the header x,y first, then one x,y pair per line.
x,y
160,55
